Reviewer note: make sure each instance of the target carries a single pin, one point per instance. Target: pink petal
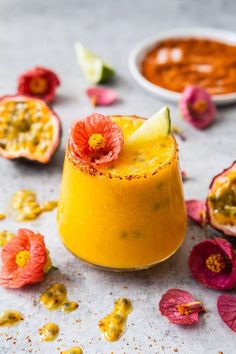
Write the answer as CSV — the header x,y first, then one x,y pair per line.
x,y
101,96
226,305
196,210
168,307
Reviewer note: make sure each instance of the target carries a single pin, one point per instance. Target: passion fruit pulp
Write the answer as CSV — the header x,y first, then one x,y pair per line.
x,y
28,129
221,201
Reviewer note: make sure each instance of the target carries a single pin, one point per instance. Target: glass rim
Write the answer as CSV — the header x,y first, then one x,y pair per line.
x,y
85,167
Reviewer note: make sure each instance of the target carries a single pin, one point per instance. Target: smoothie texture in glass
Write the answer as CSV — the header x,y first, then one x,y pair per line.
x,y
128,214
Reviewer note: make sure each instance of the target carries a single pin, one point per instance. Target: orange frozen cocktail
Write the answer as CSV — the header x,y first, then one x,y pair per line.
x,y
121,205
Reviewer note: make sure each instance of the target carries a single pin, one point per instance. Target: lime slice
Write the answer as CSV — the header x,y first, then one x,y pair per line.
x,y
154,128
93,68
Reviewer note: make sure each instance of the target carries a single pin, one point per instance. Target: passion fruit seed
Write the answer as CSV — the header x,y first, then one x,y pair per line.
x,y
48,266
10,317
225,201
74,350
69,306
55,297
28,128
113,325
50,205
28,121
49,332
5,236
24,202
221,201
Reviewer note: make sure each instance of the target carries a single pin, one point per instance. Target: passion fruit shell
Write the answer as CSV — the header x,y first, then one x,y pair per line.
x,y
221,201
28,129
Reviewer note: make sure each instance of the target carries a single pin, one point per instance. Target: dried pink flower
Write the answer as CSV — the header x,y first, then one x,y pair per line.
x,y
96,140
180,307
196,210
38,82
226,305
101,96
197,107
213,263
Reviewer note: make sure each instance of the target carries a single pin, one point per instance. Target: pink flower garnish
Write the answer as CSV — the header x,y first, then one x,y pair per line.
x,y
96,139
213,263
25,260
226,305
38,82
180,307
196,210
101,96
197,107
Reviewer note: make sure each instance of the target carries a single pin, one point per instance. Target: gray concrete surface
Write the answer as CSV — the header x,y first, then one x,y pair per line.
x,y
44,32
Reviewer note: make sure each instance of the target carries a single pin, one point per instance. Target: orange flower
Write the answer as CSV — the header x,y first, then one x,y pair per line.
x,y
25,260
96,139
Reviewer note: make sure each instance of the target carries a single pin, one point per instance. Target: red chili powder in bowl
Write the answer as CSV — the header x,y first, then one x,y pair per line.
x,y
175,63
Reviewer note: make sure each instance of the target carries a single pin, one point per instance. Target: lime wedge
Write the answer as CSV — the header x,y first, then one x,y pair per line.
x,y
154,128
94,69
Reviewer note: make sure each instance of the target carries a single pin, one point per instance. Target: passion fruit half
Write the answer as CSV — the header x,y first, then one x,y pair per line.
x,y
28,129
221,201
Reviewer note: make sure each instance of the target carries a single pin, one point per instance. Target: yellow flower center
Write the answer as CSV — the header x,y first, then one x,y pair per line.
x,y
22,258
184,309
215,262
38,85
200,106
96,141
93,100
187,309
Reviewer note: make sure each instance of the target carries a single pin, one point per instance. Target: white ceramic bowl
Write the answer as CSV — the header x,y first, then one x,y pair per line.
x,y
139,52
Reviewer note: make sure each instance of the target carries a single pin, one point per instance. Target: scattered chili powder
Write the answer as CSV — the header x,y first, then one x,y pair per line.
x,y
176,63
